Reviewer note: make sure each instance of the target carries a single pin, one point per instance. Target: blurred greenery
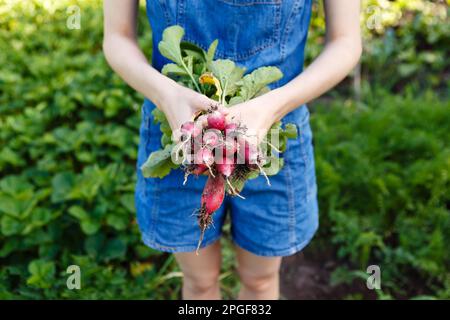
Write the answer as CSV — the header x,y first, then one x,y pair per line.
x,y
69,135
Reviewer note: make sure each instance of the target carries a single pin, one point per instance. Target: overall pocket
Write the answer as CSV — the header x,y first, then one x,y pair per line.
x,y
243,27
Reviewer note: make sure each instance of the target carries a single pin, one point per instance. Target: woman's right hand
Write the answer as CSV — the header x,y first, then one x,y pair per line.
x,y
179,104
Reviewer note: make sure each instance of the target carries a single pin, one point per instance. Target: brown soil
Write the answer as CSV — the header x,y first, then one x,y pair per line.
x,y
306,276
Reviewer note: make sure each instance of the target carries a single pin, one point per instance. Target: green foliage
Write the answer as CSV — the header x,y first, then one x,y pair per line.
x,y
189,59
159,163
256,81
405,42
69,135
384,185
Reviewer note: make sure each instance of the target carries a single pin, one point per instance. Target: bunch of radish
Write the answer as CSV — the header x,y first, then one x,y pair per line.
x,y
220,149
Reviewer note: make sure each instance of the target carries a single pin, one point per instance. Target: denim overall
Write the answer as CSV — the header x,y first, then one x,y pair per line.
x,y
276,220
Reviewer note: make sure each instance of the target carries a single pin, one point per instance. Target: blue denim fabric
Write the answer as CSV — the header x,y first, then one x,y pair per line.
x,y
276,220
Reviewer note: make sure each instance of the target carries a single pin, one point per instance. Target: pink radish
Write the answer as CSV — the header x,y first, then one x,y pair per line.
x,y
216,120
204,156
248,151
211,138
230,127
190,129
230,147
199,169
226,167
213,194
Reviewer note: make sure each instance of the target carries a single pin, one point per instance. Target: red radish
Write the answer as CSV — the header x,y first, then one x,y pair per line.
x,y
196,169
204,156
216,120
212,138
226,167
230,147
199,169
212,198
230,127
190,129
213,194
248,151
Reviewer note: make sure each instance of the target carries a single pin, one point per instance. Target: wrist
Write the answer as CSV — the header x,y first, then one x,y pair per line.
x,y
165,88
275,104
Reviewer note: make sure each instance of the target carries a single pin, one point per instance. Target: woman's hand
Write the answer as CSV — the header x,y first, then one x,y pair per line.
x,y
257,114
179,104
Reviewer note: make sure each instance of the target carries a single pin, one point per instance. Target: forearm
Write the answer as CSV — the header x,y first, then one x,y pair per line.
x,y
125,58
334,63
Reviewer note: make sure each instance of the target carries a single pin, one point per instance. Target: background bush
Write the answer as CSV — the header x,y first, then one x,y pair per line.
x,y
68,143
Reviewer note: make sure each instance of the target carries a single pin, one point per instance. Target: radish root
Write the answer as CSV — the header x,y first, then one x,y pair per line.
x,y
264,174
234,192
204,221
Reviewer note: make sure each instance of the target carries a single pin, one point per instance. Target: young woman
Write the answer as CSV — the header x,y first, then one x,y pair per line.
x,y
273,221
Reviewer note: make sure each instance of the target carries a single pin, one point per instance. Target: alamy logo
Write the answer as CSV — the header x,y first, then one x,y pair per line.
x,y
374,18
374,278
74,19
74,280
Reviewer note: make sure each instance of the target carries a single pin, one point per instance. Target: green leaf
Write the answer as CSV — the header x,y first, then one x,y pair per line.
x,y
159,163
189,63
42,273
222,70
78,212
93,245
253,174
190,49
169,46
118,221
235,100
62,185
165,128
99,247
290,131
254,82
9,156
158,116
10,206
232,83
90,226
273,166
238,184
13,185
165,140
127,200
10,226
262,91
228,74
114,249
282,144
40,218
173,69
211,51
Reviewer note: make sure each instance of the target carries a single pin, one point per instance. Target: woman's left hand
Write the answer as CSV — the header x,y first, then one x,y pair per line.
x,y
257,114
